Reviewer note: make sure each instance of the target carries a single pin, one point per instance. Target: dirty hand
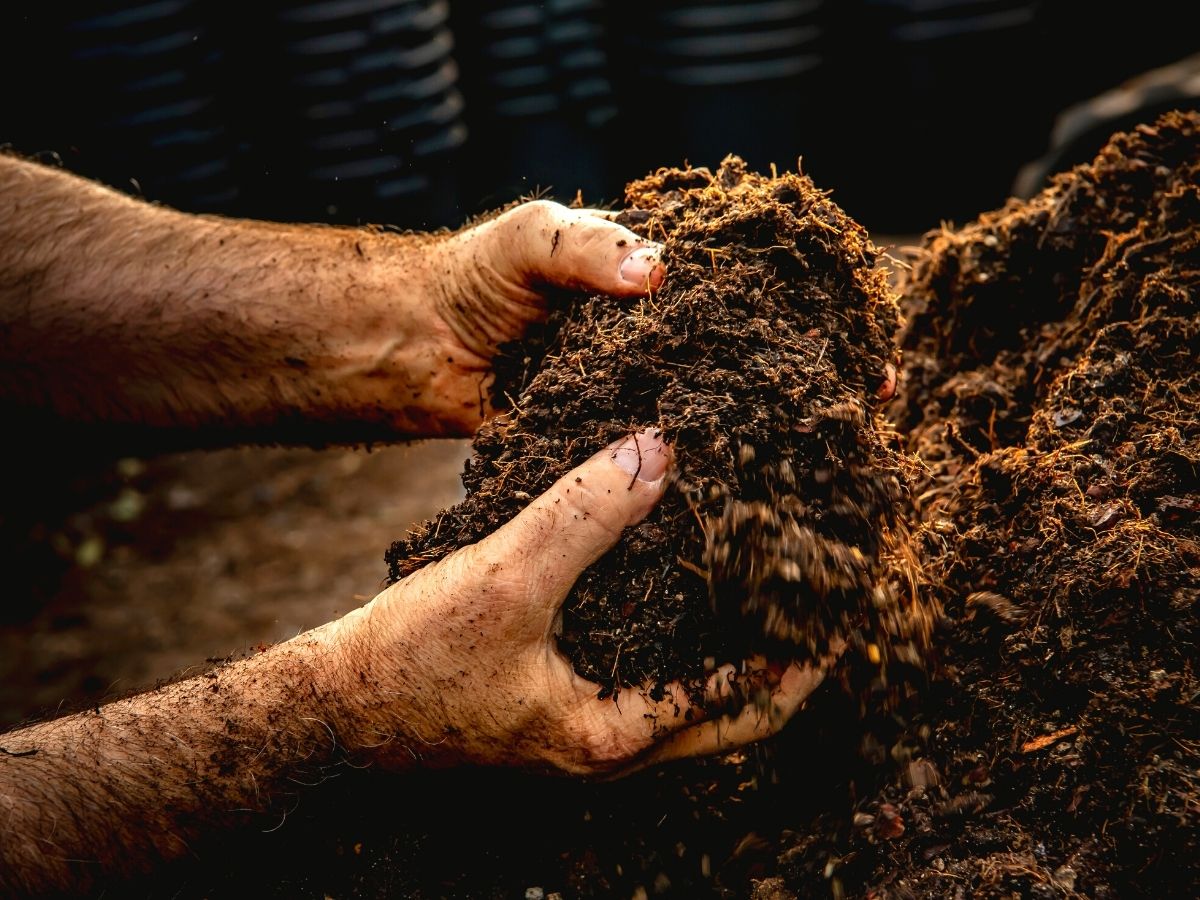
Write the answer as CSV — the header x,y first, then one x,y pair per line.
x,y
489,288
488,285
118,311
458,663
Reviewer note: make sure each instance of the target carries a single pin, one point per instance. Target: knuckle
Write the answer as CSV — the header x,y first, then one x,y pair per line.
x,y
605,236
497,573
539,212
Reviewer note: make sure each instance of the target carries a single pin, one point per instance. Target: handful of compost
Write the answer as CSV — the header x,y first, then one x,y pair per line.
x,y
760,358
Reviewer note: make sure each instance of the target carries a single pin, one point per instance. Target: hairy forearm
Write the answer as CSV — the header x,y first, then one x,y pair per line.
x,y
117,311
112,792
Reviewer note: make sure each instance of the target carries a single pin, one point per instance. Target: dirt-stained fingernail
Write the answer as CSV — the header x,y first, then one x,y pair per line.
x,y
643,455
643,267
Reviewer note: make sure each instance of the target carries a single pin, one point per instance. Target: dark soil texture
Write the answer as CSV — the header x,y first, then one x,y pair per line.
x,y
1053,404
760,358
1057,405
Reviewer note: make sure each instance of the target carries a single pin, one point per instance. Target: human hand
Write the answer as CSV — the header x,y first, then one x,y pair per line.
x,y
458,663
489,288
489,285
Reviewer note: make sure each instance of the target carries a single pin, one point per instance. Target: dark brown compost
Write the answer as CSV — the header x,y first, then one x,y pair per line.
x,y
760,359
1056,402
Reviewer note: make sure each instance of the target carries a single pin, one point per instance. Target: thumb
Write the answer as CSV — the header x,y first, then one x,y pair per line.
x,y
577,249
546,547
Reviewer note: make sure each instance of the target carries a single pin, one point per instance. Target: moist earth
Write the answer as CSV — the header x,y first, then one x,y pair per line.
x,y
786,522
1055,405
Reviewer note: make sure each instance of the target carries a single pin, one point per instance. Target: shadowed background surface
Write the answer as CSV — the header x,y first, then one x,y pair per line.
x,y
421,112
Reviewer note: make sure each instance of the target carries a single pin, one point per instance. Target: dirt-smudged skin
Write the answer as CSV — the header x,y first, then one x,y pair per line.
x,y
1057,401
760,358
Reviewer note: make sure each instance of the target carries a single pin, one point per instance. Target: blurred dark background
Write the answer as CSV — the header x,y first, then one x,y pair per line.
x,y
422,112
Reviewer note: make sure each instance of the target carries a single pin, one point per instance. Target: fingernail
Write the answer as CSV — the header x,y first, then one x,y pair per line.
x,y
643,267
644,455
888,388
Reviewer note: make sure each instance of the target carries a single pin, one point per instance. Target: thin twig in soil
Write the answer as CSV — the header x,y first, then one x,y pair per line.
x,y
616,661
692,567
638,470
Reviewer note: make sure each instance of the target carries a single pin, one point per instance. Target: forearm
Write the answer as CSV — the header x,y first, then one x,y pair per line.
x,y
112,792
114,310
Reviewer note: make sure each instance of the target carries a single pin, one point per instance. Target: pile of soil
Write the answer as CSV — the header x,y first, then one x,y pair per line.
x,y
786,520
1057,401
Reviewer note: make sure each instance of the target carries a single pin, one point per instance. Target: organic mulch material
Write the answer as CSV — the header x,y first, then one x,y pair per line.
x,y
1053,397
1058,400
785,523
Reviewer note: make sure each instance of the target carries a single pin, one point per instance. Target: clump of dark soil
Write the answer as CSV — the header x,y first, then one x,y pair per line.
x,y
760,358
1057,399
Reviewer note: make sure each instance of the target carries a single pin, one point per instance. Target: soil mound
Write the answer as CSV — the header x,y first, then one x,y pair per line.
x,y
1058,400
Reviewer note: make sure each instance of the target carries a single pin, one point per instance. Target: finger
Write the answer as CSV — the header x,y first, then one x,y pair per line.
x,y
580,518
753,722
547,243
610,214
642,719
